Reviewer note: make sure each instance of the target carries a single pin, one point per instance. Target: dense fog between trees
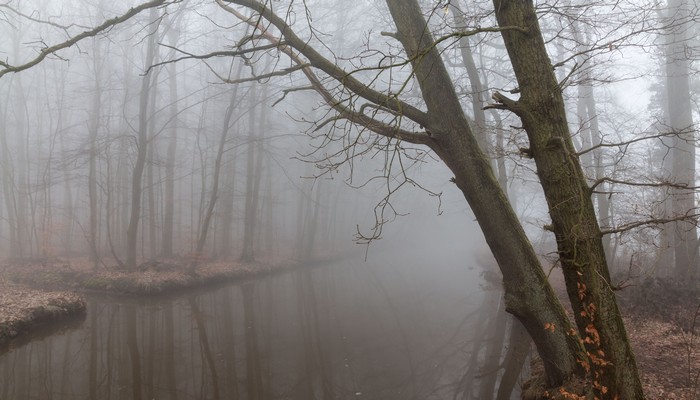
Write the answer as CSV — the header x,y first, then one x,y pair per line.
x,y
220,130
74,127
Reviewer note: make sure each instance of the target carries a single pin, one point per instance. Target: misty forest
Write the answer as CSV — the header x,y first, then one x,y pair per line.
x,y
399,199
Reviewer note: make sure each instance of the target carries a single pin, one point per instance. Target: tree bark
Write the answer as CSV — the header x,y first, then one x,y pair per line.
x,y
609,358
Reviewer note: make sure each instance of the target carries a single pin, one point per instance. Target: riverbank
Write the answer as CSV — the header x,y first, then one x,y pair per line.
x,y
25,310
38,293
150,278
662,320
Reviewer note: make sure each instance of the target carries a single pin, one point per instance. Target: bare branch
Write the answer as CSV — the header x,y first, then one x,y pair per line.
x,y
285,92
214,54
649,222
345,112
598,182
631,141
325,65
46,51
41,21
259,78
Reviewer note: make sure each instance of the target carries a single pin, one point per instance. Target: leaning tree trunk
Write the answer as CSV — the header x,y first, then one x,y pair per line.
x,y
613,371
528,295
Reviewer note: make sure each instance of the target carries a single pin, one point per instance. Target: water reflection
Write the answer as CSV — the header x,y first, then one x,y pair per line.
x,y
353,331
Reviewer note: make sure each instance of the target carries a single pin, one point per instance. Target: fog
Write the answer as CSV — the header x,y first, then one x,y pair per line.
x,y
196,131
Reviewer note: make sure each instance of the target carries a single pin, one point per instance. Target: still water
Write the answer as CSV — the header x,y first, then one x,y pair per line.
x,y
351,330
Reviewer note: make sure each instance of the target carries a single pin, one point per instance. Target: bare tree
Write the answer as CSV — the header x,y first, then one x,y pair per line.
x,y
141,145
93,128
218,162
598,351
685,236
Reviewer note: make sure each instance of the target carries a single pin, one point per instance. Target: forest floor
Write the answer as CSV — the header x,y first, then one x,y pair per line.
x,y
663,323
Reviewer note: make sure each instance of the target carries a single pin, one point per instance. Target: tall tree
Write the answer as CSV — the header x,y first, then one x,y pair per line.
x,y
613,371
218,162
598,352
253,176
141,144
93,129
169,194
685,236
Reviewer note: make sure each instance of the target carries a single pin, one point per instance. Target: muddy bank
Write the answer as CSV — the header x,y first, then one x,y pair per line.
x,y
24,310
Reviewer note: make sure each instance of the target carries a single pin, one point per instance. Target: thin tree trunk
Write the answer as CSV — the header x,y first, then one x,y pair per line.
x,y
150,183
142,149
93,128
685,236
169,195
9,192
250,212
209,212
494,347
227,203
223,141
514,360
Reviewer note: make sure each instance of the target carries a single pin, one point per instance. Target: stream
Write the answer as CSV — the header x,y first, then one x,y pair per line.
x,y
388,328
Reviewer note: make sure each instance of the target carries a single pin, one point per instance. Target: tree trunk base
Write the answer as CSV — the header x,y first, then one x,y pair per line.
x,y
535,387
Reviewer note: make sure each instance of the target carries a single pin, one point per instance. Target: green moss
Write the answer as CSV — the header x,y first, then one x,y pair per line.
x,y
96,283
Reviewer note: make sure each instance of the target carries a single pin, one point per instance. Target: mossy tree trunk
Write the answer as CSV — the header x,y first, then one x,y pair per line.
x,y
612,369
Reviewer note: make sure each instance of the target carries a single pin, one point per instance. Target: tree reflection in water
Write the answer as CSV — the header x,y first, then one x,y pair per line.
x,y
345,332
